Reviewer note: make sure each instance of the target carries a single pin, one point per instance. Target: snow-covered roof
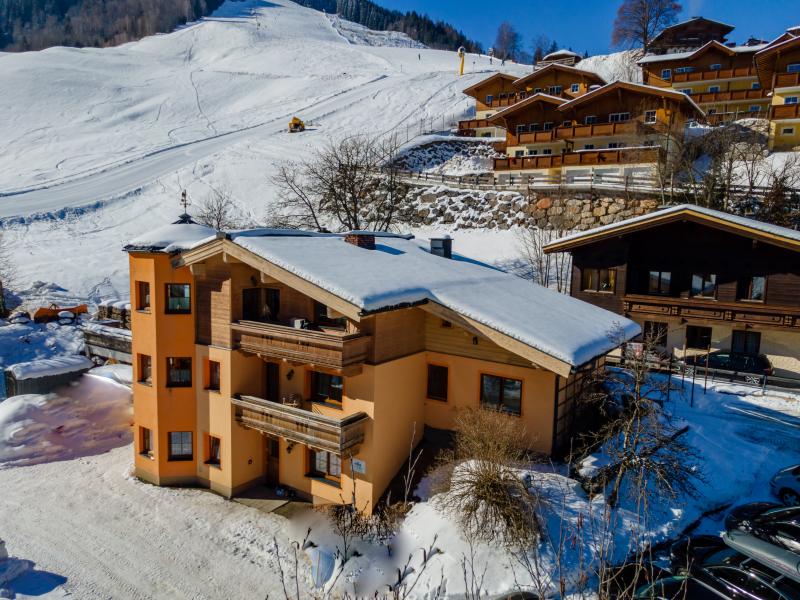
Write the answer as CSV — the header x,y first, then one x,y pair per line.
x,y
775,232
47,367
562,52
743,49
174,237
640,87
508,110
107,330
400,272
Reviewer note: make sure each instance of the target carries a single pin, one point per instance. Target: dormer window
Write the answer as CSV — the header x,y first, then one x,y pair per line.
x,y
555,90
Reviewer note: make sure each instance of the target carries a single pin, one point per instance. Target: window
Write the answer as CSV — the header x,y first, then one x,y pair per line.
x,y
755,86
180,445
790,100
704,285
145,442
555,90
619,117
746,342
326,388
793,68
686,91
787,131
656,331
590,119
142,295
713,89
684,70
547,151
145,369
698,337
613,145
521,129
489,99
321,317
214,445
532,152
599,280
715,67
566,124
659,282
519,153
179,299
588,146
753,288
437,382
446,324
261,304
325,464
534,127
649,117
666,73
179,372
213,375
754,108
500,393
575,88
649,143
547,126
537,90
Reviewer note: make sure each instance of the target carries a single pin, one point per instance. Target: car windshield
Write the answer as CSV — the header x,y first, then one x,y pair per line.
x,y
748,583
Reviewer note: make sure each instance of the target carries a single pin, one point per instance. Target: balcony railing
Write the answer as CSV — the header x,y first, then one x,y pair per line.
x,y
727,117
787,80
507,101
473,124
301,426
730,96
321,348
785,111
583,158
711,75
583,131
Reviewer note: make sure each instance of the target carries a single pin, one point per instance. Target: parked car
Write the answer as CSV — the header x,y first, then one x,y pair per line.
x,y
690,549
632,576
785,484
742,515
723,574
728,361
772,538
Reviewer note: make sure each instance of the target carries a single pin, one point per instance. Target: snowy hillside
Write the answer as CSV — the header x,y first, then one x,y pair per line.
x,y
96,144
358,34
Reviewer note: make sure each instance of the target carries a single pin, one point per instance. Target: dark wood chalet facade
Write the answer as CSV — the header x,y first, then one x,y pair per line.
x,y
699,279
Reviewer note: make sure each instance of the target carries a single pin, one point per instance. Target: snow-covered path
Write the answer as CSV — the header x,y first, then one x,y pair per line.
x,y
112,536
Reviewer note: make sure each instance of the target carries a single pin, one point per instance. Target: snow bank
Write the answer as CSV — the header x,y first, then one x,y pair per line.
x,y
90,417
47,367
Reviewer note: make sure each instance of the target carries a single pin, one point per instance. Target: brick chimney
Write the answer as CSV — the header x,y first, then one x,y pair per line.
x,y
361,239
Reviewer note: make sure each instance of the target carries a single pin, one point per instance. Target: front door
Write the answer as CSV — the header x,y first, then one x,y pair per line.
x,y
273,461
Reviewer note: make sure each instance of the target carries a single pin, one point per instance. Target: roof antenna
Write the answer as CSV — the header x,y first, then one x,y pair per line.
x,y
185,217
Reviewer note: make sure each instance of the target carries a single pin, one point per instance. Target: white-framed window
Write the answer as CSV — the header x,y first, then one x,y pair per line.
x,y
666,73
754,108
521,129
790,100
537,90
613,145
566,124
687,91
713,89
489,99
575,88
519,153
588,146
532,152
649,117
787,131
548,126
619,117
684,70
755,86
715,67
793,68
589,119
555,90
534,127
547,151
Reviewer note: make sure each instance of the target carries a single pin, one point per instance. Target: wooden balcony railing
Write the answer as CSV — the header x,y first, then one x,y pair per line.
x,y
301,426
548,161
584,131
507,101
474,124
711,75
727,117
753,313
583,158
730,96
785,111
787,80
325,349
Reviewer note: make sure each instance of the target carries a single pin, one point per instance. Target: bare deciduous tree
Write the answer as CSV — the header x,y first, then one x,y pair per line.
x,y
639,21
351,184
548,270
507,43
218,210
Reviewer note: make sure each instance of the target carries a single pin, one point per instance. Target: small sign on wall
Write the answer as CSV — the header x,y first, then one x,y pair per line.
x,y
359,466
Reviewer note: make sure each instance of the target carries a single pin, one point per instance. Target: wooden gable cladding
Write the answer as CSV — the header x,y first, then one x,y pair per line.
x,y
772,61
559,75
213,304
692,33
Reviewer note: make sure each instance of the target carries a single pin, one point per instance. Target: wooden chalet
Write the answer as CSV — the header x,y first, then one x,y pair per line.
x,y
778,67
560,80
694,33
491,94
699,279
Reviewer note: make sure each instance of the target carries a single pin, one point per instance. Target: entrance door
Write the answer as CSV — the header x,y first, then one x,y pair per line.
x,y
273,461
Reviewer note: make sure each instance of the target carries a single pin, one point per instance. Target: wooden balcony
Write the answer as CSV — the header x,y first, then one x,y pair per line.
x,y
330,349
301,426
785,111
473,124
712,75
731,96
507,101
751,313
787,80
727,117
583,131
575,159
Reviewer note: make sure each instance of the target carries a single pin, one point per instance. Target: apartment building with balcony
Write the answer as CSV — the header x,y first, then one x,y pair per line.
x,y
698,280
617,129
778,67
308,361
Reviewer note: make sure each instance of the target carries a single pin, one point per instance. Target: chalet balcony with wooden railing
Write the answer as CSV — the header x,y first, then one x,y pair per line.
x,y
730,96
328,348
301,426
787,80
587,158
785,111
752,313
507,101
584,131
728,117
712,75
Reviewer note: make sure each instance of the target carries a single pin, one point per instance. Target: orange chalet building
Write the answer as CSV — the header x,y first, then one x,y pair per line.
x,y
308,361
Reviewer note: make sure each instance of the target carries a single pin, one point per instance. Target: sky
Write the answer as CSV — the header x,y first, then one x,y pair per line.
x,y
586,24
